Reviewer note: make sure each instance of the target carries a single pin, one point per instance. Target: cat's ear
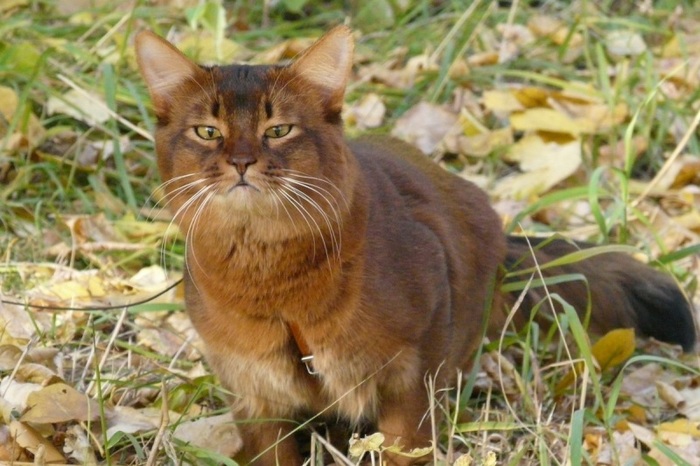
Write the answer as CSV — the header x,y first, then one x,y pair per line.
x,y
327,64
164,68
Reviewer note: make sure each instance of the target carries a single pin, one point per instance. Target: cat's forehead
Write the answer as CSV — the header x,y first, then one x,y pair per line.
x,y
244,79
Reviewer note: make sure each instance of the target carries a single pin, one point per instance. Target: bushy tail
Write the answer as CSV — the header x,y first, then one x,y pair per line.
x,y
624,293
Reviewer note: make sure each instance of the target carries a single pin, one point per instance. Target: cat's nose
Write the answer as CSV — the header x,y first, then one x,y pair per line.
x,y
241,162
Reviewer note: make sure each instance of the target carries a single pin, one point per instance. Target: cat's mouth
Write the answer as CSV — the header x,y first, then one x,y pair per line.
x,y
244,185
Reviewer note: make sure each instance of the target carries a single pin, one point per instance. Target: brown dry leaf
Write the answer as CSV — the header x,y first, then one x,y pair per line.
x,y
36,373
9,450
544,165
425,125
10,356
669,394
29,439
215,433
130,420
82,105
502,373
366,113
395,76
19,326
60,403
614,348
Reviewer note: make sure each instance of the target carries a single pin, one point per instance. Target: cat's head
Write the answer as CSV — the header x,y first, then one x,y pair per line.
x,y
243,143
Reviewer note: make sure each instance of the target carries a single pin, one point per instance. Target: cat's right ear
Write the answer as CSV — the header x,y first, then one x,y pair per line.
x,y
164,68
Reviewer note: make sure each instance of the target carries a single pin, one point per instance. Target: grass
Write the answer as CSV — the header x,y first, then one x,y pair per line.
x,y
77,216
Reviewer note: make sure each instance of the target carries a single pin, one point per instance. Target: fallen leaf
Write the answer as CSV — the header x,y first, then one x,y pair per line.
x,y
464,460
691,403
216,433
368,112
29,439
624,43
82,105
130,420
60,403
544,165
681,426
670,394
369,443
478,145
425,125
547,119
614,348
15,394
77,446
502,103
10,355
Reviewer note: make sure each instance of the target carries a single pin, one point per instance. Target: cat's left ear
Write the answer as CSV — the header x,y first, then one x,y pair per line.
x,y
328,63
164,68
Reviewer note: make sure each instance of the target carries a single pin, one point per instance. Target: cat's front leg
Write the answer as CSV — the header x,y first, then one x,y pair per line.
x,y
404,420
268,443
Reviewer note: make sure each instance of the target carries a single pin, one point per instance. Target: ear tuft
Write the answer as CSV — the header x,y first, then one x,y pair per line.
x,y
164,68
328,63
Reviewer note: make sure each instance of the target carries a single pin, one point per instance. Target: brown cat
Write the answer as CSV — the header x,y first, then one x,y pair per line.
x,y
364,255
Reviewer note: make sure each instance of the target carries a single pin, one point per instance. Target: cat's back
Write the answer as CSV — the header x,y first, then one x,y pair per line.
x,y
416,179
406,186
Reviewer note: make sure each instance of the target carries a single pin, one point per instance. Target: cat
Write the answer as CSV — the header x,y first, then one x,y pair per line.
x,y
363,258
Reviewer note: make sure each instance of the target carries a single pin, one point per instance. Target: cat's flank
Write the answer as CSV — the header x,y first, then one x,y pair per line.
x,y
364,257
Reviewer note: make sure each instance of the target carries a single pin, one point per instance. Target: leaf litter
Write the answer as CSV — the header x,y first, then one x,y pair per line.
x,y
521,139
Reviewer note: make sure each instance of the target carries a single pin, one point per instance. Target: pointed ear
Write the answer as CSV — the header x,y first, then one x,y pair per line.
x,y
164,68
327,64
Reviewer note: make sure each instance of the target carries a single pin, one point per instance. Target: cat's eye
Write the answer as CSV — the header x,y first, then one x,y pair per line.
x,y
278,131
207,132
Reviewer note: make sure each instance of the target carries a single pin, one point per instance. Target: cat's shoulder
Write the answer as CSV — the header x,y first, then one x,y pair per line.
x,y
399,159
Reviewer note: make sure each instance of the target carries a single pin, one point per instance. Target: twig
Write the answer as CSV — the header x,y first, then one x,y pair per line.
x,y
164,421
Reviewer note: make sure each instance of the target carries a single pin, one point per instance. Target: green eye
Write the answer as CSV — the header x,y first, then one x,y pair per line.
x,y
278,131
207,132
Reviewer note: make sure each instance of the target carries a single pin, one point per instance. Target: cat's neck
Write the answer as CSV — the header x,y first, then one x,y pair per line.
x,y
233,258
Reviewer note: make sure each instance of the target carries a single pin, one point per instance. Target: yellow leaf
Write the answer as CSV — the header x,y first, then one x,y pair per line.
x,y
502,102
544,164
614,348
8,102
96,287
680,426
70,289
547,119
491,459
464,460
360,446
